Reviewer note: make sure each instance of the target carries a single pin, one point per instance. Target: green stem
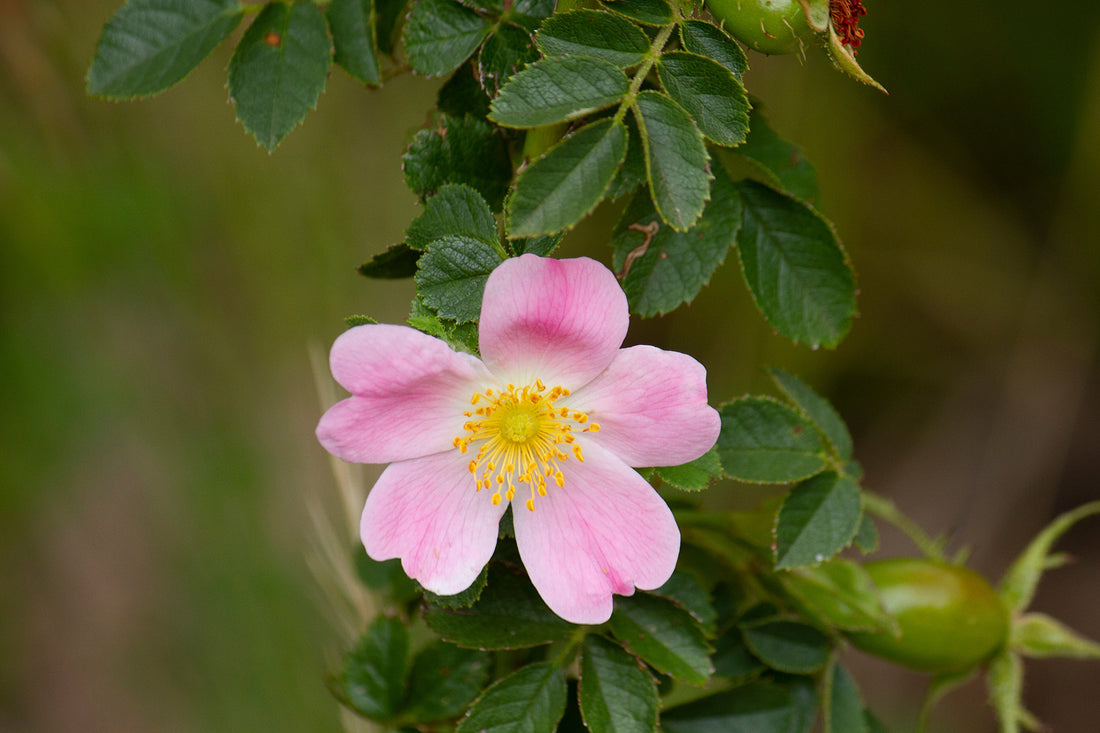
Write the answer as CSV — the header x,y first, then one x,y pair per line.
x,y
887,511
642,72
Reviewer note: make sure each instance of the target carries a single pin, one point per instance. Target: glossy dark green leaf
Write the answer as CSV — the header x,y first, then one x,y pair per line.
x,y
559,189
443,681
662,268
695,475
451,276
279,69
149,45
765,441
397,262
505,52
795,268
666,636
709,92
818,409
374,671
711,41
845,712
593,33
779,162
455,209
530,700
677,164
758,707
558,89
616,694
788,646
441,34
818,519
647,12
352,27
459,150
508,615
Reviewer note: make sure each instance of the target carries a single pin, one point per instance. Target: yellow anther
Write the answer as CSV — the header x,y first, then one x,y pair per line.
x,y
473,466
578,454
593,428
496,499
530,505
474,400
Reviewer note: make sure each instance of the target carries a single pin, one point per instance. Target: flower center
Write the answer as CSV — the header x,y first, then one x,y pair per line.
x,y
521,435
844,15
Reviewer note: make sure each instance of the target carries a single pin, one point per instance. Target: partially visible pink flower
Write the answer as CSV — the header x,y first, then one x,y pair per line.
x,y
550,419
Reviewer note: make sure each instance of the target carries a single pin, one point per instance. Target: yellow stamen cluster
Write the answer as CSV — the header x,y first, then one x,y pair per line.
x,y
523,435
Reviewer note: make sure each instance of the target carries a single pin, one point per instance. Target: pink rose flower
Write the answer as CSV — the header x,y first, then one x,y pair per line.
x,y
550,420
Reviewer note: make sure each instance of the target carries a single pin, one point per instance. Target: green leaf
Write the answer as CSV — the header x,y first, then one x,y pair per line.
x,y
662,268
460,150
683,590
593,33
505,52
695,475
1020,581
817,520
530,700
758,707
374,671
664,635
463,599
352,26
443,681
765,441
396,262
463,94
732,657
455,210
647,12
452,274
841,594
558,89
541,246
677,164
788,646
530,13
508,615
845,711
149,45
441,34
867,534
616,694
709,92
632,171
1005,679
803,702
387,577
279,69
822,414
795,268
387,13
711,41
1039,635
559,189
779,162
358,320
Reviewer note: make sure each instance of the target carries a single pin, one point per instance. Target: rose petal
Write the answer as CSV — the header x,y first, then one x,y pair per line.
x,y
428,512
651,406
408,394
606,531
557,320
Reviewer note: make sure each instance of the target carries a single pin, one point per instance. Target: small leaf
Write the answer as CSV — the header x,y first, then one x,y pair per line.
x,y
559,189
616,694
803,703
386,15
463,599
646,12
1039,635
732,657
1005,679
463,94
396,262
352,28
795,268
823,415
452,274
505,52
695,475
149,45
593,33
460,150
676,159
683,590
818,519
530,13
779,162
541,246
867,534
758,707
358,320
709,92
443,681
765,441
508,615
788,646
374,671
558,89
632,171
711,41
455,209
664,635
845,712
530,700
279,69
441,34
841,594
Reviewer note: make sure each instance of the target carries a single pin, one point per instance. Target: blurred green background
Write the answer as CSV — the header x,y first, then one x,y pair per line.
x,y
162,280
